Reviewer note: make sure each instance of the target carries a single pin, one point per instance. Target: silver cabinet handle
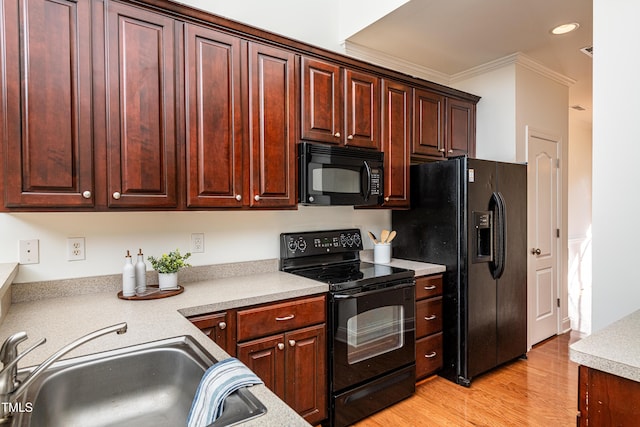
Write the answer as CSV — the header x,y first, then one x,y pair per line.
x,y
256,198
280,346
432,317
292,343
429,288
337,135
86,194
536,251
238,197
289,317
117,195
350,137
431,355
222,325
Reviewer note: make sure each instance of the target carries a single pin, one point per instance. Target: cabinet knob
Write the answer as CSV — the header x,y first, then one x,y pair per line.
x,y
117,195
238,197
386,199
350,137
431,355
292,343
450,151
337,134
256,198
86,194
280,346
222,325
441,150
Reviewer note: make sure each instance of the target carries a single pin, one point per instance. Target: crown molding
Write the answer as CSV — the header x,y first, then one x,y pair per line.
x,y
517,58
389,61
392,62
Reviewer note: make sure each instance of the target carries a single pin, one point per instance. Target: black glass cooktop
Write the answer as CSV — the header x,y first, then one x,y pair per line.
x,y
356,274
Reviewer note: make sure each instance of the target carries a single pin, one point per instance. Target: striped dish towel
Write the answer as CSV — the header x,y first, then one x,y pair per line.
x,y
218,382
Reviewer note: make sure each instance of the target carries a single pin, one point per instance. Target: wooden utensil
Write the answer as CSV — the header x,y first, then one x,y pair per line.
x,y
372,237
383,236
392,236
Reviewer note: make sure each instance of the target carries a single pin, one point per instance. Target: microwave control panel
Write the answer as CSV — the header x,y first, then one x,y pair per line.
x,y
376,182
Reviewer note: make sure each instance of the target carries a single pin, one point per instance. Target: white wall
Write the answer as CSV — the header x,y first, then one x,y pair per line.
x,y
616,150
580,259
314,22
495,113
230,236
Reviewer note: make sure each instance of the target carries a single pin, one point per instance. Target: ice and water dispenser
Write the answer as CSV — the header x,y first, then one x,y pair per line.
x,y
482,236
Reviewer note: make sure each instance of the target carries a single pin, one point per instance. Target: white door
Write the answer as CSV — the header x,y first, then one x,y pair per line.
x,y
543,265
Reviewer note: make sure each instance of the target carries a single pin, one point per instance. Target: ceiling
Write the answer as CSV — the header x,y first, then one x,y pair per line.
x,y
452,36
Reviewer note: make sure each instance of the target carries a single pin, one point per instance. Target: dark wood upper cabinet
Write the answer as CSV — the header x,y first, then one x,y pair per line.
x,y
322,102
272,118
396,142
363,110
428,124
214,118
46,105
141,139
461,130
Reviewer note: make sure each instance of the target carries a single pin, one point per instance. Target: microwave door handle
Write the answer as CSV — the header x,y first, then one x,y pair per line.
x,y
367,192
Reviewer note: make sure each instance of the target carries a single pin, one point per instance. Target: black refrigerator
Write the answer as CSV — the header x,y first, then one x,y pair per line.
x,y
471,215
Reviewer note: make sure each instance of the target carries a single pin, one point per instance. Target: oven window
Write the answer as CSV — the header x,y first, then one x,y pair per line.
x,y
375,332
335,180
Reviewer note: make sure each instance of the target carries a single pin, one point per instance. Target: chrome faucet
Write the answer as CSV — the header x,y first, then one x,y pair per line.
x,y
10,388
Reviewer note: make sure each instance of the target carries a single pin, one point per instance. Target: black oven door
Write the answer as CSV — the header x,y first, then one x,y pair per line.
x,y
373,332
340,176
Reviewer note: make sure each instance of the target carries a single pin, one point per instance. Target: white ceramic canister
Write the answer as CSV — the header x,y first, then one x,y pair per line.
x,y
382,253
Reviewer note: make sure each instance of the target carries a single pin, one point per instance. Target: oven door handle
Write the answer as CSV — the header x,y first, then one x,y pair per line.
x,y
374,291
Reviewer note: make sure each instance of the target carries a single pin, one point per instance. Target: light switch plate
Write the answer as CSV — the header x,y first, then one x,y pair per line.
x,y
29,251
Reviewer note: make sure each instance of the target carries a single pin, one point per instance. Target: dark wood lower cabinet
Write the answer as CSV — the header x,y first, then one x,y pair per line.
x,y
607,400
220,328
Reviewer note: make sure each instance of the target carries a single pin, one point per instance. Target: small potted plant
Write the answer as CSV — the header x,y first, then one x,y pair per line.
x,y
167,267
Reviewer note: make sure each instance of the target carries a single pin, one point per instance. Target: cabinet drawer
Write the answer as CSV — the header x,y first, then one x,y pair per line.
x,y
428,355
428,286
428,316
276,318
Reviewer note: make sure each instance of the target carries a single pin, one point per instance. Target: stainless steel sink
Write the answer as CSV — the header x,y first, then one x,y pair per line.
x,y
151,384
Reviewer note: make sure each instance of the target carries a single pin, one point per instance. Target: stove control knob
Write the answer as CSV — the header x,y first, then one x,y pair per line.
x,y
302,244
356,239
343,240
349,240
293,245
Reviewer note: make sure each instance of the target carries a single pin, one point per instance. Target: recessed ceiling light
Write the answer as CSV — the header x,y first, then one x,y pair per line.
x,y
565,28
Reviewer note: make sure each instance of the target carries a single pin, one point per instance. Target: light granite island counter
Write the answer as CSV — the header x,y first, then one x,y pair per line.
x,y
609,374
63,319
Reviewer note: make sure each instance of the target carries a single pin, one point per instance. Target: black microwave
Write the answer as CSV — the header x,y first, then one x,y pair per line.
x,y
330,175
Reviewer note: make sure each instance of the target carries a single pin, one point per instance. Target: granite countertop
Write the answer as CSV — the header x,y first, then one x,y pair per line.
x,y
61,320
65,318
614,349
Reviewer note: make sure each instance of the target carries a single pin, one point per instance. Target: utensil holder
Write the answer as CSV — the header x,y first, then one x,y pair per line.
x,y
382,253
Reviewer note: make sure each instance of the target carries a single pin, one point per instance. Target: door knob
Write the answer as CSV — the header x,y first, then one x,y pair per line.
x,y
536,251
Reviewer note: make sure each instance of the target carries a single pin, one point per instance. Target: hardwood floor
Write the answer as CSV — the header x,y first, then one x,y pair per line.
x,y
539,391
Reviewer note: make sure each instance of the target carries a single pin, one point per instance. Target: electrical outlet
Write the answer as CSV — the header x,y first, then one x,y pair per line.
x,y
197,242
29,251
75,249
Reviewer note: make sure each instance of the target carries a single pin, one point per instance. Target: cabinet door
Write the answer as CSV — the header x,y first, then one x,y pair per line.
x,y
214,115
322,102
265,357
219,327
45,107
141,142
461,129
363,110
306,372
272,117
428,124
396,140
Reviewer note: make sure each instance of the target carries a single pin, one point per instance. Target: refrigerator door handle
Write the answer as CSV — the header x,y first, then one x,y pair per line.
x,y
500,218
